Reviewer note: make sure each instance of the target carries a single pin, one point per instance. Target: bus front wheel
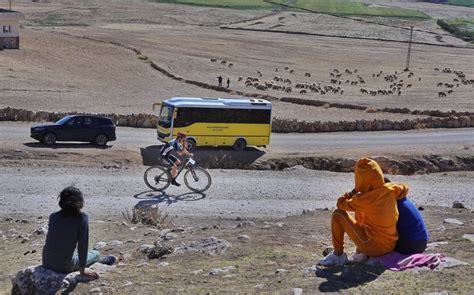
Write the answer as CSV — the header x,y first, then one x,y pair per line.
x,y
190,144
240,144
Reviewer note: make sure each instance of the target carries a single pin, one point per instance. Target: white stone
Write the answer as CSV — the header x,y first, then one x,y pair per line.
x,y
100,245
243,238
469,237
216,271
297,291
198,271
281,271
115,243
170,236
453,221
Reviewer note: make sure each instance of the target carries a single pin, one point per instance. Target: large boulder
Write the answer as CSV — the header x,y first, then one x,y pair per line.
x,y
40,280
37,280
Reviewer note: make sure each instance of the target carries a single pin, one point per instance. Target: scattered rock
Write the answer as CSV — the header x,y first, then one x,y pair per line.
x,y
115,243
243,238
24,221
211,246
216,271
41,231
281,271
159,251
126,284
142,264
259,286
95,290
163,264
297,291
170,236
309,271
453,221
245,223
197,271
100,245
145,248
432,246
450,263
458,205
469,237
440,228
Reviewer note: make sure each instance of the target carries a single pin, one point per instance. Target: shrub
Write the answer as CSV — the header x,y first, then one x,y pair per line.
x,y
150,215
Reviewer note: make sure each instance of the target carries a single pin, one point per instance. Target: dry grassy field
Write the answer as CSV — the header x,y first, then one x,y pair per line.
x,y
72,59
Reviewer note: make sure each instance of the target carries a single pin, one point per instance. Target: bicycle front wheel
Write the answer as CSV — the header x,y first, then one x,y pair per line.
x,y
197,179
157,178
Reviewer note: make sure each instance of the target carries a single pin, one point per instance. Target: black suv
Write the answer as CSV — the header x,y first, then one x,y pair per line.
x,y
95,129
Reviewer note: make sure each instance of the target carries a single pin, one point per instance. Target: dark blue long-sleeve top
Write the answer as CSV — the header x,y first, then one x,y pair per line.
x,y
64,233
410,225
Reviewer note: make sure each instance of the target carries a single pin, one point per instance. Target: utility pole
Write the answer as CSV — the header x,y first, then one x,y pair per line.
x,y
407,68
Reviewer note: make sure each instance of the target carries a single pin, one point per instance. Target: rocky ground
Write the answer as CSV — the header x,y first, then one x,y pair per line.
x,y
244,255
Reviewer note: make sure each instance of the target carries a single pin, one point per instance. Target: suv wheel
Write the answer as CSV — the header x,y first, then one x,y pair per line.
x,y
101,140
49,138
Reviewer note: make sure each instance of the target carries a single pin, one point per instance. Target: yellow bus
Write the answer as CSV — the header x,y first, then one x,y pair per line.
x,y
216,121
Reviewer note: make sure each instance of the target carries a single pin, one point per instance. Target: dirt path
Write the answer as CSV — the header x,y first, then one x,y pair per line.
x,y
234,193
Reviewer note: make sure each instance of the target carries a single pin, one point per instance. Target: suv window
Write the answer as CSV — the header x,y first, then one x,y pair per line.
x,y
88,121
76,121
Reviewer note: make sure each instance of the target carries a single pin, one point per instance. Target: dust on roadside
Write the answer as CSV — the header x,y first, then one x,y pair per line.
x,y
277,257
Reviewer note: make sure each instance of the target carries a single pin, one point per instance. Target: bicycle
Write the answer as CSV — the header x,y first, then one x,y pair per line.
x,y
197,179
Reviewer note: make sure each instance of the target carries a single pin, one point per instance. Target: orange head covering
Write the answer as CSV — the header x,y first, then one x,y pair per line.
x,y
368,175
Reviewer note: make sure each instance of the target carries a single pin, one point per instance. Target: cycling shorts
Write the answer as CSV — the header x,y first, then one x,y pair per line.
x,y
171,159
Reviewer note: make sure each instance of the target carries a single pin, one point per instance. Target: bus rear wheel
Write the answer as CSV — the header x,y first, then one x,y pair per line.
x,y
190,144
240,144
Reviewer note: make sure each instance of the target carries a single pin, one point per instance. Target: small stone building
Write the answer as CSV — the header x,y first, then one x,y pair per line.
x,y
9,29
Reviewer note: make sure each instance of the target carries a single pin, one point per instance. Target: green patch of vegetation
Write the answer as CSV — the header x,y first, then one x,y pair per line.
x,y
461,28
234,4
57,20
467,3
355,8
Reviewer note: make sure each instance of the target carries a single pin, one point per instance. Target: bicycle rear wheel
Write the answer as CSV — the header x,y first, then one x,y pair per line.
x,y
197,179
157,178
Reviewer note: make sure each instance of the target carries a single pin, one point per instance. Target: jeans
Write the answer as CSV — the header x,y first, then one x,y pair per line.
x,y
93,256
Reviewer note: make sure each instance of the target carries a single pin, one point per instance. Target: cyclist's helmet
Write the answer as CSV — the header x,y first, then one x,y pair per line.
x,y
180,135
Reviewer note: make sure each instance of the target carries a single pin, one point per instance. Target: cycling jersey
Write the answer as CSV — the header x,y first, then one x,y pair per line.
x,y
166,150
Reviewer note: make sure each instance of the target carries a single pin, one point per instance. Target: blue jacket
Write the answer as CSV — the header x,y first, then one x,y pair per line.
x,y
410,225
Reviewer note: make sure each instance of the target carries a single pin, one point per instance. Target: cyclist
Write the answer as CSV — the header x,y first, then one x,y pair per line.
x,y
179,145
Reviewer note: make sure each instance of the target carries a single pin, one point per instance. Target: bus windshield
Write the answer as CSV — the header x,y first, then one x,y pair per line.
x,y
166,115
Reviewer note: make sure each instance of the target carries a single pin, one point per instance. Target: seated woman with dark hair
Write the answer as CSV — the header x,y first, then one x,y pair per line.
x,y
412,233
68,228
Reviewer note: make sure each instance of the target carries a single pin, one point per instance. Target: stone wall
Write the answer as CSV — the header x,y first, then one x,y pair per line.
x,y
278,125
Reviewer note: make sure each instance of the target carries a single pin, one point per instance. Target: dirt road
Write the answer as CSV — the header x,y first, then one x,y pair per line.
x,y
234,193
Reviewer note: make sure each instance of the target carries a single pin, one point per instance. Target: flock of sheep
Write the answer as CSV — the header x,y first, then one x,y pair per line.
x,y
396,82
